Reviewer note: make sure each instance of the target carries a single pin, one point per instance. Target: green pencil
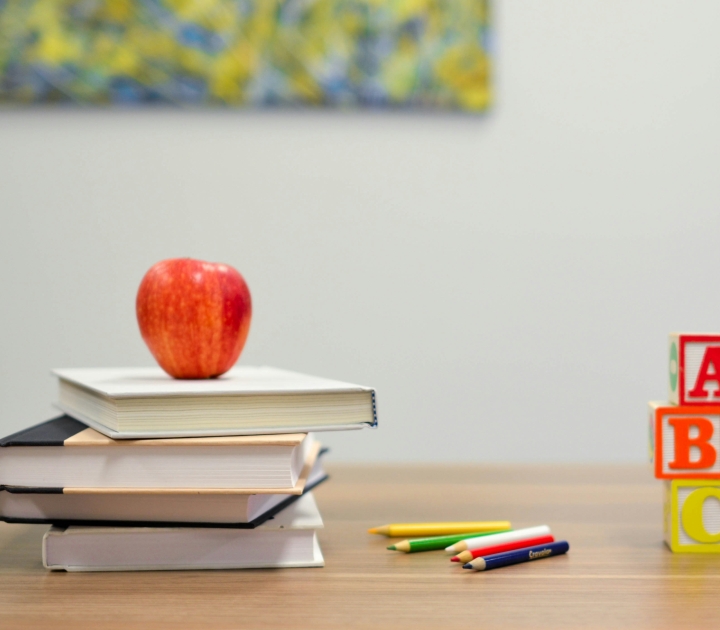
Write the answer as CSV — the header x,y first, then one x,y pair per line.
x,y
436,542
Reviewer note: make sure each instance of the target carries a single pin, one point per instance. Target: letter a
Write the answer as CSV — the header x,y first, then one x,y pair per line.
x,y
683,443
711,359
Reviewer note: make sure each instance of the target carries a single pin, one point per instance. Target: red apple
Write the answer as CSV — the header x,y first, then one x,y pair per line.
x,y
194,316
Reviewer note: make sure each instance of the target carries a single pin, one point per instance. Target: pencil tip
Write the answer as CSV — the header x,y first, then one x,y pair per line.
x,y
373,530
392,548
455,559
467,566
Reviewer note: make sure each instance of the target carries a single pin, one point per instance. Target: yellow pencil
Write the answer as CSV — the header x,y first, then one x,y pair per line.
x,y
438,529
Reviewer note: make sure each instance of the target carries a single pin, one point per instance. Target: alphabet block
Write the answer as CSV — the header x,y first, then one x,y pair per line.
x,y
692,516
694,369
685,441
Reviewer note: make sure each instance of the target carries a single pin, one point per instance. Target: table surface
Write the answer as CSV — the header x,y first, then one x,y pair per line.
x,y
618,573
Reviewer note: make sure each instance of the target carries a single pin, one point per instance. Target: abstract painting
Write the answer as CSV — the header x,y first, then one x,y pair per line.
x,y
336,53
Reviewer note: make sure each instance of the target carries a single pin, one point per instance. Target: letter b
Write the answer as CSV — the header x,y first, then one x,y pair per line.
x,y
683,443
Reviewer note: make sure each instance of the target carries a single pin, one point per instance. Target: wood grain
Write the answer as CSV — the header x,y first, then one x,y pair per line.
x,y
618,573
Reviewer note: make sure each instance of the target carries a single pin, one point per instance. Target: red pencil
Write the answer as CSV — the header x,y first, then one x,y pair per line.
x,y
467,556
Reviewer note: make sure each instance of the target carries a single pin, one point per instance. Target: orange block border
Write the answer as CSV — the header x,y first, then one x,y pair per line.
x,y
684,410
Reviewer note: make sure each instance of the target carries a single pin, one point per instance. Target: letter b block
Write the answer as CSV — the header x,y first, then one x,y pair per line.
x,y
692,516
694,369
685,441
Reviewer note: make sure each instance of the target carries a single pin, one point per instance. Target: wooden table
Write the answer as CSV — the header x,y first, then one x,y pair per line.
x,y
618,573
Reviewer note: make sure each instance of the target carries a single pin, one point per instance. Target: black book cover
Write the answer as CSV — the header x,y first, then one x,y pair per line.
x,y
50,433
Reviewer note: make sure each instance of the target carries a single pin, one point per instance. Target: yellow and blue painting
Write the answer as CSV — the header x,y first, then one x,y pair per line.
x,y
338,53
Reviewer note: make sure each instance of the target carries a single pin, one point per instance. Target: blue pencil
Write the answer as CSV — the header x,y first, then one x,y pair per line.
x,y
517,556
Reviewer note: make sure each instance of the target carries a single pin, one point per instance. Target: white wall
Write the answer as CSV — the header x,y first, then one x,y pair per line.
x,y
507,283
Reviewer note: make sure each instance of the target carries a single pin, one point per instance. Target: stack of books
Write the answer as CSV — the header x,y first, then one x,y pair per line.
x,y
147,472
685,441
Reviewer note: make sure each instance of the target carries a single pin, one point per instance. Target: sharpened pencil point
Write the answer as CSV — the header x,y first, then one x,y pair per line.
x,y
467,566
373,530
392,548
454,559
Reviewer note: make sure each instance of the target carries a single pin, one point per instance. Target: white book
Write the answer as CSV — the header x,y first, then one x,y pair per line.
x,y
65,454
288,540
146,402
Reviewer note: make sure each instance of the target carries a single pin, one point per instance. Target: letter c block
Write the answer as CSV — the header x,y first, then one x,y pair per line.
x,y
692,515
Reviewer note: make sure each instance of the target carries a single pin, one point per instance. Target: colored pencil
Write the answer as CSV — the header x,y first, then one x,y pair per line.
x,y
439,529
435,542
485,563
519,534
467,556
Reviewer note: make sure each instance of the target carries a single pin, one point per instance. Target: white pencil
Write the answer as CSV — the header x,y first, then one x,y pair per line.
x,y
495,539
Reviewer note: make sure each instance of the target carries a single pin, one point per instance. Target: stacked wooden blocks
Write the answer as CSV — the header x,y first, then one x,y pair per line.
x,y
685,441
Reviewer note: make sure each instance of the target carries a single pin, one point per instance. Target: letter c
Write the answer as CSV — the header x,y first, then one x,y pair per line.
x,y
692,515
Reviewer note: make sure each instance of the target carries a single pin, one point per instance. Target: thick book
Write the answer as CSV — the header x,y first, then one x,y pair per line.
x,y
67,455
288,540
55,507
127,403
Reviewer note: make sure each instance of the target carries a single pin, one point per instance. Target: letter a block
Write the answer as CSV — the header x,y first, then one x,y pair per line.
x,y
692,516
694,369
685,441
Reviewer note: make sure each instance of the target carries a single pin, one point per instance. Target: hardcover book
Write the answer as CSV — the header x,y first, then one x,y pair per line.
x,y
288,540
67,455
126,403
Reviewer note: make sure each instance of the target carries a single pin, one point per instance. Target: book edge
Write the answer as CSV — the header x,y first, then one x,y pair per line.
x,y
61,374
139,435
255,523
